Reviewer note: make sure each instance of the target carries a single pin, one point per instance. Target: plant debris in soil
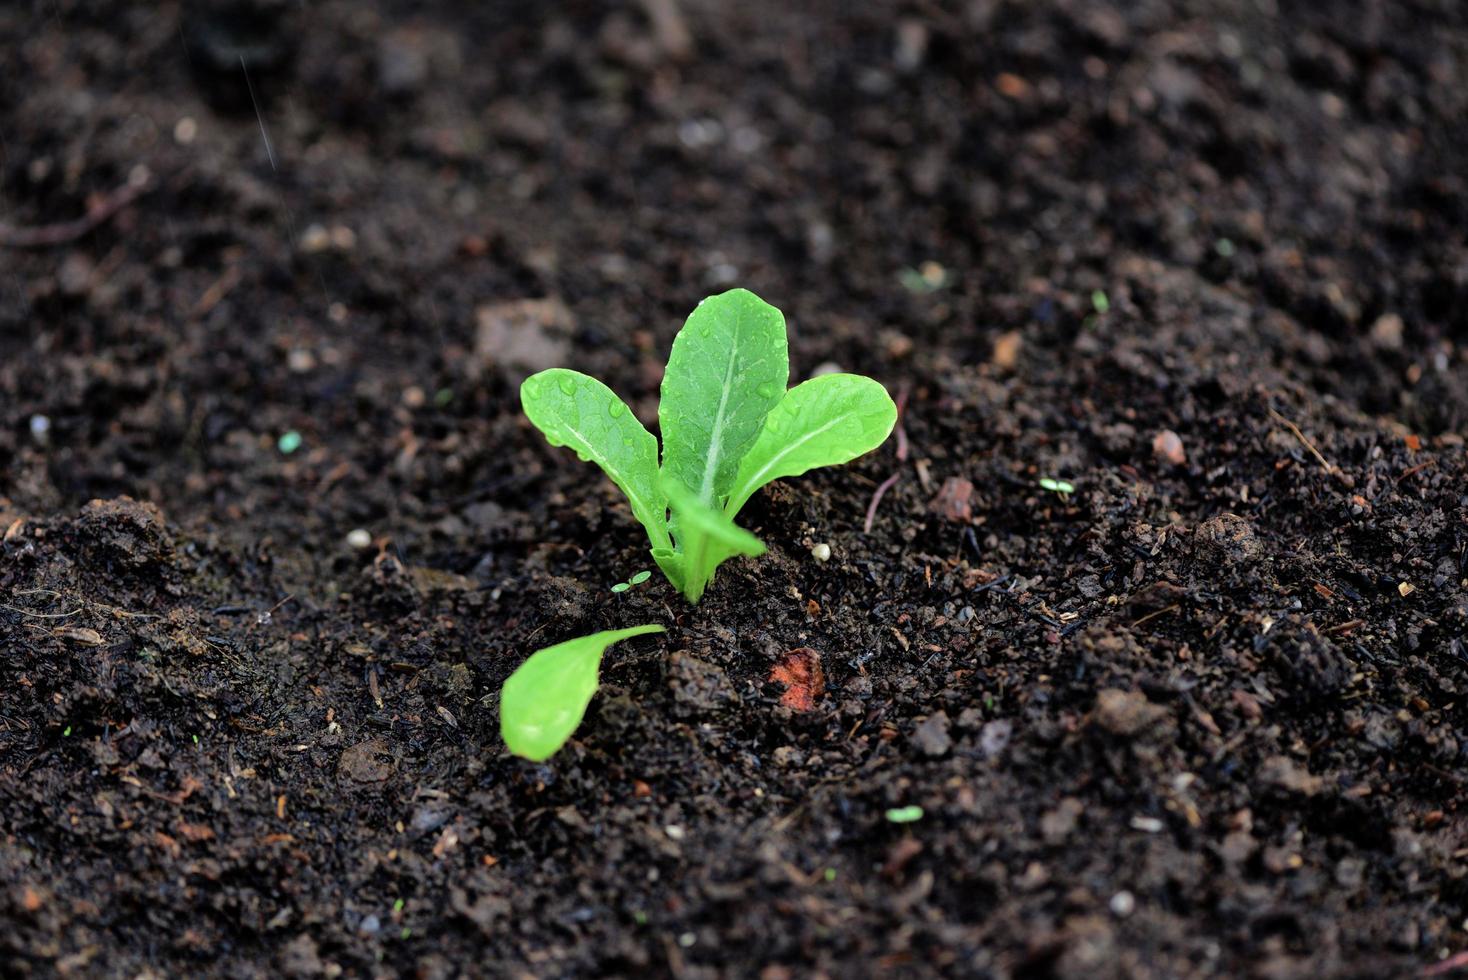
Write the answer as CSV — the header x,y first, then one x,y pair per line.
x,y
274,530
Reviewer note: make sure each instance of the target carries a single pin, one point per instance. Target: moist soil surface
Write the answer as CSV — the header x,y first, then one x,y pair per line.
x,y
1200,713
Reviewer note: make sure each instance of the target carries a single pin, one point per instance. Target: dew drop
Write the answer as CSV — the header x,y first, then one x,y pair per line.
x,y
568,386
615,408
584,457
765,390
533,387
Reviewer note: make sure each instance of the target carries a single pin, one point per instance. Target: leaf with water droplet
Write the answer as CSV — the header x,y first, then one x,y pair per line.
x,y
826,421
728,368
544,700
573,410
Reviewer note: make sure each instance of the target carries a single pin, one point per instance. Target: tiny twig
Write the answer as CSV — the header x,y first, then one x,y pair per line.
x,y
1301,436
1412,471
881,492
1154,615
1454,962
45,236
1346,627
902,446
902,450
40,615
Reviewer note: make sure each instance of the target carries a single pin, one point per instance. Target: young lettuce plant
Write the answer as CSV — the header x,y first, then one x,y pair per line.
x,y
544,700
728,425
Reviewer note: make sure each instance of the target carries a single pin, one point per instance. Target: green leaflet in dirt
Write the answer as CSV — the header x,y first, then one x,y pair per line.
x,y
826,421
705,537
728,368
729,428
580,412
544,700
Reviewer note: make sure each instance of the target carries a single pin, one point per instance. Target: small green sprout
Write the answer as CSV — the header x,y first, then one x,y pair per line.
x,y
905,814
544,700
288,442
1062,487
67,733
637,579
728,426
926,278
1100,302
398,905
829,875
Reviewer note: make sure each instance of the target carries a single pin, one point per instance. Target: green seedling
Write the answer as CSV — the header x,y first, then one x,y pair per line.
x,y
728,425
905,814
637,579
1063,487
544,700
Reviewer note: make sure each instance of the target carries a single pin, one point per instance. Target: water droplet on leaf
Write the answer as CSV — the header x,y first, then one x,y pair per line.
x,y
568,386
615,408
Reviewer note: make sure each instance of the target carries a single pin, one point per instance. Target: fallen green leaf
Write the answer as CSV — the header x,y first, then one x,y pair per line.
x,y
544,700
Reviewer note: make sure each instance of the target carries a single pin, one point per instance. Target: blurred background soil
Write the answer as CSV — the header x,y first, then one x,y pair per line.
x,y
274,529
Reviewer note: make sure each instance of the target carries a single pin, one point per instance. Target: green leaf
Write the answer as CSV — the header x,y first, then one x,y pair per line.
x,y
827,420
706,539
581,413
728,368
544,700
671,564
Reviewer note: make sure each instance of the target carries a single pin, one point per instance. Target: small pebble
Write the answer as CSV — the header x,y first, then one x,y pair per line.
x,y
300,360
185,130
1167,446
721,274
1123,904
359,539
821,552
315,239
1387,331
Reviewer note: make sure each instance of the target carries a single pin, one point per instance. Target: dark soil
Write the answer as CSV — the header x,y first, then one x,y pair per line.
x,y
1203,717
